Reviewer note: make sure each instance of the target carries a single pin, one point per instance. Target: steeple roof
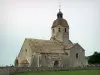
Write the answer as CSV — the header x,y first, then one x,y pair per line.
x,y
59,20
59,14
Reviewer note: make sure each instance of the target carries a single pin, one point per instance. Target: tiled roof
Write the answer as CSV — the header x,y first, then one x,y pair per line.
x,y
45,46
48,46
59,21
68,46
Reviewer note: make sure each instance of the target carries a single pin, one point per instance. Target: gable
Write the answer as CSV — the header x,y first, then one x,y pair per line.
x,y
25,50
77,46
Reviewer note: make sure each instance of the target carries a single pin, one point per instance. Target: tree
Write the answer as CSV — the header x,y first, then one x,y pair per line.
x,y
94,59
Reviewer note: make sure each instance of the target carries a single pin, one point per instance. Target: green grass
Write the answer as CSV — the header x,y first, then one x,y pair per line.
x,y
76,72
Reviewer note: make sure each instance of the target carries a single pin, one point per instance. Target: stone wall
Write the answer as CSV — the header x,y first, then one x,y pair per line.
x,y
77,55
4,71
11,70
25,54
60,34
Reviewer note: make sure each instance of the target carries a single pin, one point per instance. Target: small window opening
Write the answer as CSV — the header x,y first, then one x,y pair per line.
x,y
77,55
53,30
66,53
25,50
45,56
59,29
65,29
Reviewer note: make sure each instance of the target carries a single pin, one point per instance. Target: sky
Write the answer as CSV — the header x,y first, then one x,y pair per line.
x,y
20,19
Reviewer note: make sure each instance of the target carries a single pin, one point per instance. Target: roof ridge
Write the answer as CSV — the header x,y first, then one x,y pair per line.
x,y
35,39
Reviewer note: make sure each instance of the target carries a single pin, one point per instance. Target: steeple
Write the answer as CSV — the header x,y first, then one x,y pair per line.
x,y
59,14
60,28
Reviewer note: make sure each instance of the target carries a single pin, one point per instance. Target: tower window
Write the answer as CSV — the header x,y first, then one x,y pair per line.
x,y
53,30
66,53
65,29
77,55
59,29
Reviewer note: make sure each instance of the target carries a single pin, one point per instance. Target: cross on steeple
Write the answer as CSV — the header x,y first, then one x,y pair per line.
x,y
59,14
59,2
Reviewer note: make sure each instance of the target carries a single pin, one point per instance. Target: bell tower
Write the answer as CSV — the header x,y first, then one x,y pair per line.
x,y
60,29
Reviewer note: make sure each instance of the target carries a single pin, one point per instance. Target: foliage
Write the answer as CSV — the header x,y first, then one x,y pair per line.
x,y
94,59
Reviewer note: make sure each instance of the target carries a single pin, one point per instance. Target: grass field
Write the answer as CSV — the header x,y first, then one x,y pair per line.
x,y
77,72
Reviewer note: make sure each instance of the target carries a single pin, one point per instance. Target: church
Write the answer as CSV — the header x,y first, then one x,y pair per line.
x,y
59,51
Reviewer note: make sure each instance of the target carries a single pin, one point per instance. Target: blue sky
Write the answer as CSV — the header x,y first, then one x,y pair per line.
x,y
20,19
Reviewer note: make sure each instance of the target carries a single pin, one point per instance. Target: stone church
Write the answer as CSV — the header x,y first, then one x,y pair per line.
x,y
59,51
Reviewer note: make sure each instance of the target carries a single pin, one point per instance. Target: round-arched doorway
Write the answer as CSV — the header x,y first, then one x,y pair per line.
x,y
16,63
56,63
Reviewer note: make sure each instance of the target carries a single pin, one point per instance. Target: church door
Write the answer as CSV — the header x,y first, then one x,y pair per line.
x,y
16,63
56,63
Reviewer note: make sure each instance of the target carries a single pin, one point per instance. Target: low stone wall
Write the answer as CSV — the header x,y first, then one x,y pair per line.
x,y
4,71
11,70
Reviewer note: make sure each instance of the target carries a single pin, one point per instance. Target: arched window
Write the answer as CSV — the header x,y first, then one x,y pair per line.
x,y
53,30
59,29
77,55
66,53
56,63
25,50
65,29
